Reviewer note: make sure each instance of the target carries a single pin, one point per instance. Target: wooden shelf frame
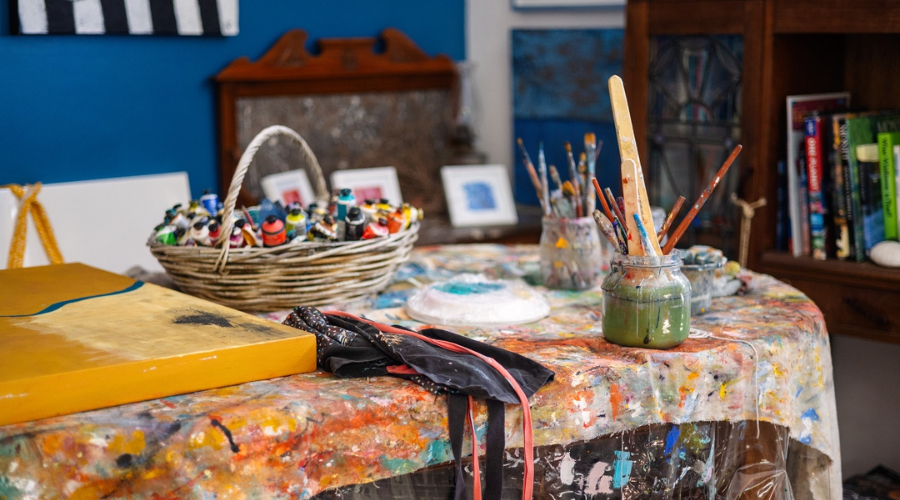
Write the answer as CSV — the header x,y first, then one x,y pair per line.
x,y
790,47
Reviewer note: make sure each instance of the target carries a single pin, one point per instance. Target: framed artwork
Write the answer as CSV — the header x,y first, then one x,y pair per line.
x,y
565,4
369,183
560,93
289,187
479,195
124,17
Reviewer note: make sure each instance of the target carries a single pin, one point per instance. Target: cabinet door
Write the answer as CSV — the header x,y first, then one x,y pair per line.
x,y
693,123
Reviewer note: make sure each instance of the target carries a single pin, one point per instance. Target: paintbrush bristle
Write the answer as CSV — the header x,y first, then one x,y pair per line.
x,y
568,189
519,140
568,147
590,138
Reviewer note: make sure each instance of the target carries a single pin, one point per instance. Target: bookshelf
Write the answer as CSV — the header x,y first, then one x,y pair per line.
x,y
790,47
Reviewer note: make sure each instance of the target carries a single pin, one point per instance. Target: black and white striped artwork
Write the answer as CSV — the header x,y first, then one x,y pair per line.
x,y
125,17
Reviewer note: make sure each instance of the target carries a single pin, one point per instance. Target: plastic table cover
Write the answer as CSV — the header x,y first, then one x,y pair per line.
x,y
616,422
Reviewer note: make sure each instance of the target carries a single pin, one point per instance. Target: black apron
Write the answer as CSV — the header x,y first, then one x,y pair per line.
x,y
441,362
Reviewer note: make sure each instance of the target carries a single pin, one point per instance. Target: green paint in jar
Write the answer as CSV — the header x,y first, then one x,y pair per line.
x,y
646,302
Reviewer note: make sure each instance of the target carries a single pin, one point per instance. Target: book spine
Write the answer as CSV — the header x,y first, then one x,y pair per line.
x,y
897,176
782,221
839,198
851,185
803,196
815,177
870,202
888,188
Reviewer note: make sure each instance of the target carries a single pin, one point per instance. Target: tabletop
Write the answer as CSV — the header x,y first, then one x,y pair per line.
x,y
762,356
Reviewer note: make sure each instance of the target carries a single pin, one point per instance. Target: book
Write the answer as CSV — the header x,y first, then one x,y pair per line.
x,y
803,199
782,222
77,338
864,129
798,106
886,143
870,200
815,160
841,203
897,175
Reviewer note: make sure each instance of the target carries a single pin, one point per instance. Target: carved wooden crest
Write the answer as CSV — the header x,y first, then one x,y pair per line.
x,y
349,66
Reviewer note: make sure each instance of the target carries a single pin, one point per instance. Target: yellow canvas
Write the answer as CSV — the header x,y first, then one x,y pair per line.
x,y
75,338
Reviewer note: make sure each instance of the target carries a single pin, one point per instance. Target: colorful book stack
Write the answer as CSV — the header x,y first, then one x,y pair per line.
x,y
846,177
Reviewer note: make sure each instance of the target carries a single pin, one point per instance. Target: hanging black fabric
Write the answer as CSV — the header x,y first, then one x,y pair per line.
x,y
349,347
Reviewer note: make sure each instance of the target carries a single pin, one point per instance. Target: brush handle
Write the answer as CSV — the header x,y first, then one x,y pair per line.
x,y
600,195
545,185
612,201
606,228
645,238
670,218
701,200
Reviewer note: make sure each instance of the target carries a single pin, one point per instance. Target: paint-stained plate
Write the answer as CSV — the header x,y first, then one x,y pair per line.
x,y
76,338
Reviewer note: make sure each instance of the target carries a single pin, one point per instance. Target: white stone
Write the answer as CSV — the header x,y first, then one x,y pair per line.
x,y
886,253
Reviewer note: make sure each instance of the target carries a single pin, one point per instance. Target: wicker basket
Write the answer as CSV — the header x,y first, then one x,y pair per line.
x,y
278,278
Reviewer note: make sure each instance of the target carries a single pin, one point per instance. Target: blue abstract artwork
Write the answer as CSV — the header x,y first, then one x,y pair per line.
x,y
479,196
560,93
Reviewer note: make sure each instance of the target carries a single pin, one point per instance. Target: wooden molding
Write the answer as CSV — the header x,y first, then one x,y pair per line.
x,y
288,59
343,65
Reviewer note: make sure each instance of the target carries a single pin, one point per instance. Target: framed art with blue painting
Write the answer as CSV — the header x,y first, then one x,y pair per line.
x,y
478,195
560,94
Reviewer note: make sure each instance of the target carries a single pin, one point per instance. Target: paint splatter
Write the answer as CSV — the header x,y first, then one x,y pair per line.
x,y
671,439
622,469
596,482
567,469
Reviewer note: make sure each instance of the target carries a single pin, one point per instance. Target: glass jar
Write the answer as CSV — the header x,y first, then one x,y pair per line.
x,y
646,301
572,253
701,277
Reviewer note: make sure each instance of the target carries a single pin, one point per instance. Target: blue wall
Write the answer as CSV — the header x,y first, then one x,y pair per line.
x,y
90,107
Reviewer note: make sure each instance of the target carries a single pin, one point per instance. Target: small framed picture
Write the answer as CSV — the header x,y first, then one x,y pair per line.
x,y
369,183
288,187
479,195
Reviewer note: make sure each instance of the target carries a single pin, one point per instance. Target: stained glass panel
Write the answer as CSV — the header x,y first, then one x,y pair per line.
x,y
694,121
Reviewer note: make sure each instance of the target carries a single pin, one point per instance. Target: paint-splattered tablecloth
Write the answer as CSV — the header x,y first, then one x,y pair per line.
x,y
297,436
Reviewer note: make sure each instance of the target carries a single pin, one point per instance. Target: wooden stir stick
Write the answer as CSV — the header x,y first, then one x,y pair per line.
x,y
633,188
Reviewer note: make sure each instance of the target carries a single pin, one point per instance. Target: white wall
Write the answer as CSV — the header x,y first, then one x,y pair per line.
x,y
488,27
867,390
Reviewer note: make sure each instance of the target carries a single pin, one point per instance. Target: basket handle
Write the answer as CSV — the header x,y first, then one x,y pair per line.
x,y
247,158
244,164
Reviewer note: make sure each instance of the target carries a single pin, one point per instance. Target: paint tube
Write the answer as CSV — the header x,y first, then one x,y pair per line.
x,y
344,202
273,232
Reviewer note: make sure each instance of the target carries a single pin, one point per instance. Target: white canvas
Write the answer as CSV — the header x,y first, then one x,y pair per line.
x,y
103,223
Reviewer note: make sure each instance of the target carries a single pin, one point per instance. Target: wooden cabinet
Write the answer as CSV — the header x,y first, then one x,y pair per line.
x,y
789,47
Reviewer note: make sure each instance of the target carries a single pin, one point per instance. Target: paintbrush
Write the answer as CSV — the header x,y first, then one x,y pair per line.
x,y
591,149
600,195
700,201
554,174
622,237
573,176
583,181
670,218
564,203
649,251
532,174
606,227
542,172
615,206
